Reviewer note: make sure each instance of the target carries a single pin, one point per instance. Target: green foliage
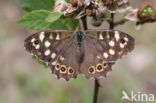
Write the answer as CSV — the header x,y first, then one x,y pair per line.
x,y
53,16
30,5
68,1
40,61
37,20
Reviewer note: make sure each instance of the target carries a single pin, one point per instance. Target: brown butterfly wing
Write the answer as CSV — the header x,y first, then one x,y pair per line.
x,y
102,49
94,65
66,65
57,49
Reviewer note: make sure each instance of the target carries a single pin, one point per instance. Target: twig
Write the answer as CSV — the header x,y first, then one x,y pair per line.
x,y
120,22
111,23
84,22
96,90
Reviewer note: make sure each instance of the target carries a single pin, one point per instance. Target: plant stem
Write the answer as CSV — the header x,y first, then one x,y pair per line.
x,y
112,21
120,22
84,22
96,90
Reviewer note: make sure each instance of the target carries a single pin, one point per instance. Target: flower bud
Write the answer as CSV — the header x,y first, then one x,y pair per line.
x,y
60,6
74,3
89,12
146,12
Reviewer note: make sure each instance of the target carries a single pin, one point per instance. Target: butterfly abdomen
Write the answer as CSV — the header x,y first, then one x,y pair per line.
x,y
80,54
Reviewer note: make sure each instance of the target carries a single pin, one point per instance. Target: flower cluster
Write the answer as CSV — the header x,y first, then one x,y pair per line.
x,y
115,6
100,10
91,7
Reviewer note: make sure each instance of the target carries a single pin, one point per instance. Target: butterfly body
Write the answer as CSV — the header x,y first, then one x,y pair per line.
x,y
80,37
69,53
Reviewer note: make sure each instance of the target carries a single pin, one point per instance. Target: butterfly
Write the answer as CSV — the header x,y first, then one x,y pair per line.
x,y
69,53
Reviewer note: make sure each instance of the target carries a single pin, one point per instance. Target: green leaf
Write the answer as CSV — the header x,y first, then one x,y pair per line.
x,y
40,61
65,23
30,5
72,25
53,17
68,1
36,20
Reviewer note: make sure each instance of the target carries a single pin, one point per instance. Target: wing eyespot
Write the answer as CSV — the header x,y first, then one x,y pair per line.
x,y
99,67
123,41
91,70
63,69
57,66
105,65
70,71
36,42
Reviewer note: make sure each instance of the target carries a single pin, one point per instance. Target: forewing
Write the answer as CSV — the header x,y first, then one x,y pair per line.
x,y
55,48
112,44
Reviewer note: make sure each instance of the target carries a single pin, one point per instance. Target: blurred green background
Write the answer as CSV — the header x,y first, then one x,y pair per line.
x,y
23,80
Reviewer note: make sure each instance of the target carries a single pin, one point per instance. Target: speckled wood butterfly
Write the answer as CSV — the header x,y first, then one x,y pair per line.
x,y
69,53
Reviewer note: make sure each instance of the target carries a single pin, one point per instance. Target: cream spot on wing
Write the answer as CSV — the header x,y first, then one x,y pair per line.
x,y
47,52
111,43
125,38
117,36
53,55
54,63
41,37
37,46
62,58
51,36
98,57
121,45
111,51
39,53
107,35
120,52
100,36
47,44
105,55
58,36
33,44
32,40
